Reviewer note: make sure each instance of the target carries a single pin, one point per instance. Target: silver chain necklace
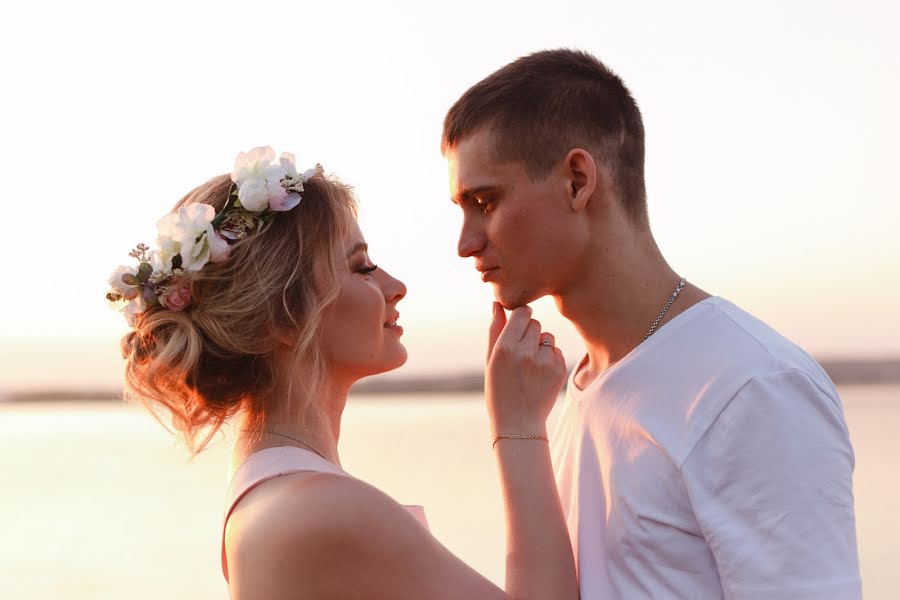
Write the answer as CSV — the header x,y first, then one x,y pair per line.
x,y
291,437
666,308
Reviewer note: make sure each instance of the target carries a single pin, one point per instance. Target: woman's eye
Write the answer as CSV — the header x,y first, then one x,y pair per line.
x,y
367,269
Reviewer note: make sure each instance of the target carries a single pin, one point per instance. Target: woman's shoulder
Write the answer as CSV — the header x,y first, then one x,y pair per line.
x,y
308,501
306,528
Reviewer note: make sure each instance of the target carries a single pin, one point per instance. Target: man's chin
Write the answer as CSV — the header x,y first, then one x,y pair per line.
x,y
510,298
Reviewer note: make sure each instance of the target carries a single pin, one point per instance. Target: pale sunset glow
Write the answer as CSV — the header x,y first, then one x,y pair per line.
x,y
772,154
770,133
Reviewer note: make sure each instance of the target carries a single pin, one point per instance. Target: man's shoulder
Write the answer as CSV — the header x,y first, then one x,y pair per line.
x,y
761,349
726,346
678,386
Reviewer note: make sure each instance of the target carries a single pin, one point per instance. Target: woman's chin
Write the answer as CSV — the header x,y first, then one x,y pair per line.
x,y
396,359
401,357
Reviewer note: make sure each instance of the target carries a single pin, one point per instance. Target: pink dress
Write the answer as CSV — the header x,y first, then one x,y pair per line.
x,y
272,462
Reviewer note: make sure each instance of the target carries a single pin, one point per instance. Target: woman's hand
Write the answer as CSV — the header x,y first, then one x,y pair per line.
x,y
525,372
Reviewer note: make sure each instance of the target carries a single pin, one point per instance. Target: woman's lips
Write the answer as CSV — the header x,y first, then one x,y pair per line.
x,y
393,326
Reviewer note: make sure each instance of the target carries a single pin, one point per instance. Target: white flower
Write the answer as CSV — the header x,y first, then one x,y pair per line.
x,y
292,184
130,306
253,194
134,308
186,233
257,164
197,254
258,180
115,280
187,223
289,164
161,259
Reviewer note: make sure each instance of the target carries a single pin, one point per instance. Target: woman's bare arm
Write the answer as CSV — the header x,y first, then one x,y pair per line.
x,y
522,383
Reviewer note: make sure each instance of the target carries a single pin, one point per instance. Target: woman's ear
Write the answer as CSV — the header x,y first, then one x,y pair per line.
x,y
286,337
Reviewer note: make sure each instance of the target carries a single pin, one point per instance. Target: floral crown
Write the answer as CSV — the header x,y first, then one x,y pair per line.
x,y
194,235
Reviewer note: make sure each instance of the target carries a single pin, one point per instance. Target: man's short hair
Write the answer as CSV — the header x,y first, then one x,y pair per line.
x,y
542,105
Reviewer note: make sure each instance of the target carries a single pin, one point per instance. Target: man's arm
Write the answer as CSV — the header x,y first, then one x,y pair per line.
x,y
771,486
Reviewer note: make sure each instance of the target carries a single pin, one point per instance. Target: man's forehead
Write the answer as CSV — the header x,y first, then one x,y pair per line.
x,y
476,148
472,165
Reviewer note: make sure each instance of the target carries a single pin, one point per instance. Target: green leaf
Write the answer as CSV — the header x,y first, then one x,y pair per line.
x,y
144,271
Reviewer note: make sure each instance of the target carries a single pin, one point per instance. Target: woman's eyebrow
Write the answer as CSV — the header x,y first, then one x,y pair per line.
x,y
359,247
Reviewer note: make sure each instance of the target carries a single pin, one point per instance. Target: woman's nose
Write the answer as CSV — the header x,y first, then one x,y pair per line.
x,y
394,289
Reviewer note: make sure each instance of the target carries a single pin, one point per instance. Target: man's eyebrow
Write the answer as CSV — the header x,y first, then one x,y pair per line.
x,y
468,193
359,247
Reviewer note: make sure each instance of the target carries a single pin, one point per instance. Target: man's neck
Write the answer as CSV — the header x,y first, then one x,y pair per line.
x,y
616,299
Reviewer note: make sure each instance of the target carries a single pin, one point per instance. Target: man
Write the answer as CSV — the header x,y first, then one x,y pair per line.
x,y
699,454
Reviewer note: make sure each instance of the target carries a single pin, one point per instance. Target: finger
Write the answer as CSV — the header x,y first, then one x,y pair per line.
x,y
516,324
547,340
532,334
498,322
553,358
560,359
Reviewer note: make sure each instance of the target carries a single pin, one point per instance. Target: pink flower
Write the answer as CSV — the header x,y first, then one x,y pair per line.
x,y
284,203
177,295
219,249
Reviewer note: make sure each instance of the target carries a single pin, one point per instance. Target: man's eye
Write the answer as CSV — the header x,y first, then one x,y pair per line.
x,y
486,204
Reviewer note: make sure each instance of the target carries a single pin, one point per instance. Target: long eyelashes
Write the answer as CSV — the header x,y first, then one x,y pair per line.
x,y
367,270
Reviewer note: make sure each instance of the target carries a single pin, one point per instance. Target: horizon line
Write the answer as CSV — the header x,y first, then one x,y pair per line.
x,y
841,371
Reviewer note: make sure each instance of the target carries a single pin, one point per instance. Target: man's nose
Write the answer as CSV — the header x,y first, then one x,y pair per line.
x,y
471,239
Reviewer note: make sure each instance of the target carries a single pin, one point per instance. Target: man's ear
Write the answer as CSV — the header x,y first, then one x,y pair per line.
x,y
581,172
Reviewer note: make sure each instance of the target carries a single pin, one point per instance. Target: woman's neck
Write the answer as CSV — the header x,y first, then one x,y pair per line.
x,y
314,418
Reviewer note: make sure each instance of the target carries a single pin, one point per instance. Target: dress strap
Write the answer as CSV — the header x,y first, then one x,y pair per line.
x,y
267,464
272,462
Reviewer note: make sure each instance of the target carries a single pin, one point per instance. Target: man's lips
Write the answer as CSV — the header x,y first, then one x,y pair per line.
x,y
488,274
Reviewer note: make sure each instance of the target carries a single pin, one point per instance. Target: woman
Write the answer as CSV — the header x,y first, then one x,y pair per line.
x,y
261,306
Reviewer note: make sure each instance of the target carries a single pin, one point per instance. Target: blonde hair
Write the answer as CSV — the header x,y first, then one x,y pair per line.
x,y
223,356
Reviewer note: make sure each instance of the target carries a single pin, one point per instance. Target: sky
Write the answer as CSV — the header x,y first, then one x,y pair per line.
x,y
772,152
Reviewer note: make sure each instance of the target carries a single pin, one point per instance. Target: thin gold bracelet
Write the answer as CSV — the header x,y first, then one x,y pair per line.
x,y
518,437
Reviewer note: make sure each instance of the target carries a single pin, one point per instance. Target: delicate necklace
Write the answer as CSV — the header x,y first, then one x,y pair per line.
x,y
296,439
666,308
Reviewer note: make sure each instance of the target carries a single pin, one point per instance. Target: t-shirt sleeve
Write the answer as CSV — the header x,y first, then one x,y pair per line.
x,y
771,486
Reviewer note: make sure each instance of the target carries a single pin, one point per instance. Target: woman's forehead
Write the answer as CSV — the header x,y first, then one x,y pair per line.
x,y
352,242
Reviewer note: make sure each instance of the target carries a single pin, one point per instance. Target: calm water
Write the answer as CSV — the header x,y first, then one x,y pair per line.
x,y
98,502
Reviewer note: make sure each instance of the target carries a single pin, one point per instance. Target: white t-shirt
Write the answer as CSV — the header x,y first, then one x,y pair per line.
x,y
712,461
